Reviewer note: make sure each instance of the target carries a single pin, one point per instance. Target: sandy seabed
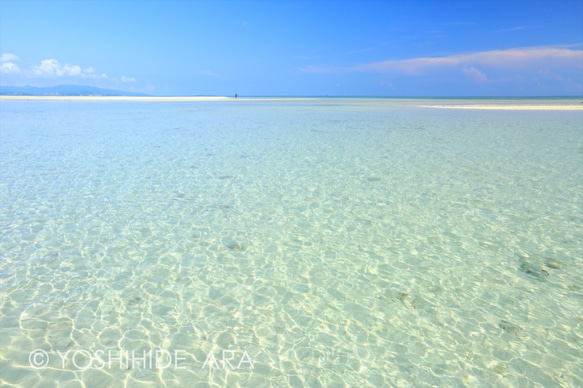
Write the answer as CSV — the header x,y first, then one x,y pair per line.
x,y
336,241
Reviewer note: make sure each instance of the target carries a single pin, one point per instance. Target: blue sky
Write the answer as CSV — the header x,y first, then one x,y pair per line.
x,y
295,47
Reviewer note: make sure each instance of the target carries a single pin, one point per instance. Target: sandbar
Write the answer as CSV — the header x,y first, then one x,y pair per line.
x,y
498,105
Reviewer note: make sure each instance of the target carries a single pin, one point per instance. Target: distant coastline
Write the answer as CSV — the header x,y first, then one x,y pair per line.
x,y
65,90
111,98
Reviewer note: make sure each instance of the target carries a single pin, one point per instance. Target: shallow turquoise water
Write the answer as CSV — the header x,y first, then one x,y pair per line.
x,y
335,242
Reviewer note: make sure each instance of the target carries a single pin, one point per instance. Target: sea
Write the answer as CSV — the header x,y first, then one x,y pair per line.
x,y
324,242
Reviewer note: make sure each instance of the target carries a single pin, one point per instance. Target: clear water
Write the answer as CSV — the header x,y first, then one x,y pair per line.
x,y
330,242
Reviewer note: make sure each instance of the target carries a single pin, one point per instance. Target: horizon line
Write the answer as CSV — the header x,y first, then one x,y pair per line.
x,y
271,96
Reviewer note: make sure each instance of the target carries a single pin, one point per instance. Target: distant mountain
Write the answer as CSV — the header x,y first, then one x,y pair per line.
x,y
63,90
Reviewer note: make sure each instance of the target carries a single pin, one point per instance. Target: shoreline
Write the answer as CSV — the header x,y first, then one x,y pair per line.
x,y
426,103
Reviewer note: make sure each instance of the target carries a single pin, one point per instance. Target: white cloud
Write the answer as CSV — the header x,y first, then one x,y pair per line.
x,y
7,64
52,68
475,74
9,67
515,59
6,57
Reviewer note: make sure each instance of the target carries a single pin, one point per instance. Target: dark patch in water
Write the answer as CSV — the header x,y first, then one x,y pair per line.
x,y
225,177
510,328
235,246
364,221
408,300
539,273
320,131
134,300
184,196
